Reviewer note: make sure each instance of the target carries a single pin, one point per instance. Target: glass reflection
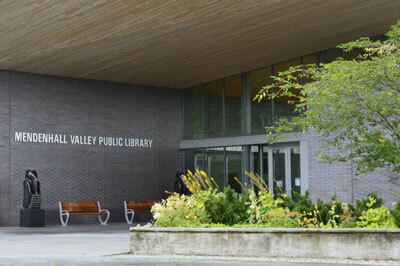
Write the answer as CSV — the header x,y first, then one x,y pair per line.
x,y
213,109
214,158
278,161
193,110
234,156
265,164
295,169
261,112
233,92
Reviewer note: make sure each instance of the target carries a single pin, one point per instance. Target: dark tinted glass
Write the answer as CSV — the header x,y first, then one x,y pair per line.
x,y
193,123
265,164
278,163
213,109
234,157
194,159
233,94
295,169
261,112
215,165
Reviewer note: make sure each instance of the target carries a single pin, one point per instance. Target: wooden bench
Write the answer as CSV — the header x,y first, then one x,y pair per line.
x,y
137,206
80,208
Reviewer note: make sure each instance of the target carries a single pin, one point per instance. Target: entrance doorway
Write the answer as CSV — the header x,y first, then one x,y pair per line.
x,y
279,166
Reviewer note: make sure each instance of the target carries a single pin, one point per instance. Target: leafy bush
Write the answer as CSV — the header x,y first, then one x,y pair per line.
x,y
261,200
396,214
281,218
375,218
261,206
227,208
258,208
348,224
347,219
308,219
297,202
287,202
328,213
181,210
302,203
371,202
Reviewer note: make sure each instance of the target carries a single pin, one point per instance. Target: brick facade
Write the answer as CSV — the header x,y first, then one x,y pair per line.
x,y
326,178
48,104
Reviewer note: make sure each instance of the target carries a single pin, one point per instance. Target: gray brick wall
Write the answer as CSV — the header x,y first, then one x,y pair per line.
x,y
51,104
326,178
4,149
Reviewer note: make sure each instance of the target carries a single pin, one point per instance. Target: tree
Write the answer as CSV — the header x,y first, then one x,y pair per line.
x,y
354,105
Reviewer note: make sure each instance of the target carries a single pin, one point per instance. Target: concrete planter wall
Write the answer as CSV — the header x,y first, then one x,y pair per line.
x,y
380,244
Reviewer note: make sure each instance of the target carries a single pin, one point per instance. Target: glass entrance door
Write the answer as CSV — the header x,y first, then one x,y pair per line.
x,y
215,164
279,170
278,166
295,169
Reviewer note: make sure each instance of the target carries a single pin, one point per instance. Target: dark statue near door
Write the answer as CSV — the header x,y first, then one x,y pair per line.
x,y
32,196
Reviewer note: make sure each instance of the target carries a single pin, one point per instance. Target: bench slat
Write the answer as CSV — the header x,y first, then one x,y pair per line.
x,y
82,207
140,206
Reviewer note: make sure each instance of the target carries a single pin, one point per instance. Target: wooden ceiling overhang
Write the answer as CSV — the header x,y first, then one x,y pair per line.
x,y
177,43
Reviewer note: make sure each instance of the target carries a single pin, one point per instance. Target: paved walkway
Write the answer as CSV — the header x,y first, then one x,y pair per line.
x,y
105,245
56,240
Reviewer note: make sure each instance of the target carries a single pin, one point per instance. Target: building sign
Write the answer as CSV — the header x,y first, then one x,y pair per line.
x,y
82,140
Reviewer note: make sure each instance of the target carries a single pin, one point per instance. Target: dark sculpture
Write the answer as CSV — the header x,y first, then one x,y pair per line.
x,y
32,196
179,185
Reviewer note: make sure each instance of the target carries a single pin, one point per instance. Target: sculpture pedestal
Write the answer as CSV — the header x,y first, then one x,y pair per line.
x,y
31,218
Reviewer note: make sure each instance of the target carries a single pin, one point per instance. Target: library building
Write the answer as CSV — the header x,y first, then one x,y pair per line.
x,y
108,100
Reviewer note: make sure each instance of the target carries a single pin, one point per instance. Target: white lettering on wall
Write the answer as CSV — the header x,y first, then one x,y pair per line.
x,y
34,137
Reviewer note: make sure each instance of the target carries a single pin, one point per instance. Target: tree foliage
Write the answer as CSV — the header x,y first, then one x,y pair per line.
x,y
354,105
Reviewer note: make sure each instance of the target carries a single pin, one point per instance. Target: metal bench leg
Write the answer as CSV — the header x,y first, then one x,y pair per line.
x,y
103,211
106,220
127,212
63,213
64,223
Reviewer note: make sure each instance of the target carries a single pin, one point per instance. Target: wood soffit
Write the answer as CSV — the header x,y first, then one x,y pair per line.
x,y
177,43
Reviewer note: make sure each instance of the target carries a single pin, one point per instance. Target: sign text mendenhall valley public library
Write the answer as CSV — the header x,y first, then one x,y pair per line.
x,y
82,140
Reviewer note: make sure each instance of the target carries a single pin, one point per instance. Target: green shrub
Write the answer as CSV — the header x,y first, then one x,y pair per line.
x,y
396,214
297,202
329,213
287,202
348,224
347,219
181,210
227,208
371,202
302,203
375,218
261,204
257,208
281,218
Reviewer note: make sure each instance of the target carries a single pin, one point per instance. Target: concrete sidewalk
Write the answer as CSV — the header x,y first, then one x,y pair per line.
x,y
57,240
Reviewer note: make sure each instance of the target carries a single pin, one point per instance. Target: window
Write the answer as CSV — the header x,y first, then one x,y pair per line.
x,y
213,124
193,113
279,166
261,112
215,165
234,163
233,93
